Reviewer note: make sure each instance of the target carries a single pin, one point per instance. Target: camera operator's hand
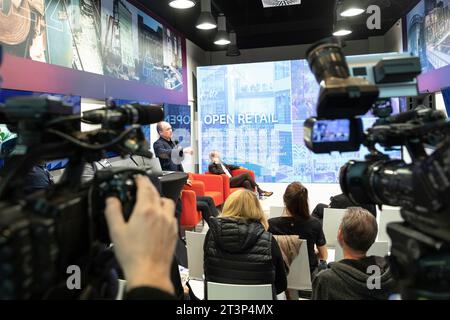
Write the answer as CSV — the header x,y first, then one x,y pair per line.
x,y
144,245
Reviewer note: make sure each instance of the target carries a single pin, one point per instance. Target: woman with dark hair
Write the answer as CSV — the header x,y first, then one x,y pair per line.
x,y
296,220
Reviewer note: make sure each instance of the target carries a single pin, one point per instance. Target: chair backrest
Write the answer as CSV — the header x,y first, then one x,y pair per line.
x,y
275,212
194,244
299,276
226,291
379,248
331,220
387,216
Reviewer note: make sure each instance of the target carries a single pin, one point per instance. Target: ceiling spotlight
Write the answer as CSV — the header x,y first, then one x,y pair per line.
x,y
233,50
206,20
351,8
222,38
342,28
181,4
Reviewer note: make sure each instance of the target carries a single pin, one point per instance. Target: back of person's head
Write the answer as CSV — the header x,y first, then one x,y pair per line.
x,y
359,229
296,200
243,204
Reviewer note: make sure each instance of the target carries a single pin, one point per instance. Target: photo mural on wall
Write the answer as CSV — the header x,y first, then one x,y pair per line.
x,y
105,37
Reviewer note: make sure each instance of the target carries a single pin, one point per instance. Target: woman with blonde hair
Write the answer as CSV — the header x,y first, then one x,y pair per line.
x,y
238,248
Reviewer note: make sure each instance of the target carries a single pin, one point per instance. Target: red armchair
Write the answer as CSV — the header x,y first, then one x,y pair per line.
x,y
190,216
213,186
227,190
201,185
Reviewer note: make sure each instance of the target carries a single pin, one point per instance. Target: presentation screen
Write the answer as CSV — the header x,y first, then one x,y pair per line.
x,y
253,115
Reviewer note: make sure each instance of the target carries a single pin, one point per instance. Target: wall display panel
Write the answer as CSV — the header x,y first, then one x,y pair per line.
x,y
97,48
428,36
179,117
254,114
446,96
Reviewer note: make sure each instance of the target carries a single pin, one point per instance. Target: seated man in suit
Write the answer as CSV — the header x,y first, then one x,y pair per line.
x,y
242,180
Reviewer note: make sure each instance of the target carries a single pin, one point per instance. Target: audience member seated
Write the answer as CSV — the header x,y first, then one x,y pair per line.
x,y
38,178
238,248
297,221
353,277
340,201
242,180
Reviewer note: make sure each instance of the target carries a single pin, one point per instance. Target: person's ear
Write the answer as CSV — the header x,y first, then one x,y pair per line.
x,y
340,237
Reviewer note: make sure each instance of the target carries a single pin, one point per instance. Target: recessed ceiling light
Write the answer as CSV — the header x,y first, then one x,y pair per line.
x,y
351,8
280,3
181,4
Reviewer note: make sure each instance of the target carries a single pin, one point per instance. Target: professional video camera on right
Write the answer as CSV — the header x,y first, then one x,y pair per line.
x,y
419,184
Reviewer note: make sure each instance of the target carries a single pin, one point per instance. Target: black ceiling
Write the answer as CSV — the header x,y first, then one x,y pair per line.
x,y
257,27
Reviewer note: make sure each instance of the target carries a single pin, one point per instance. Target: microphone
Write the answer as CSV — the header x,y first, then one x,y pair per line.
x,y
128,114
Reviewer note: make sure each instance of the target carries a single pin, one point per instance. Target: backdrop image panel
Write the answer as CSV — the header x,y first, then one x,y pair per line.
x,y
253,114
173,61
428,29
179,117
92,48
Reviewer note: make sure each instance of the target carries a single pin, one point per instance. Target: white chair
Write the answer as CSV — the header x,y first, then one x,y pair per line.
x,y
299,277
387,216
194,245
331,220
275,212
378,248
226,291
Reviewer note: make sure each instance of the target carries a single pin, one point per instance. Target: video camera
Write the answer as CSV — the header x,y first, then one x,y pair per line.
x,y
44,233
420,255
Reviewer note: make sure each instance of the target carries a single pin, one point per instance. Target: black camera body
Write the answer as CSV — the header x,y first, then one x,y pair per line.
x,y
44,233
420,253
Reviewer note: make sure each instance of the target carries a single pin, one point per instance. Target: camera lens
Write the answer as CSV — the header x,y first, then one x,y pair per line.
x,y
380,182
326,60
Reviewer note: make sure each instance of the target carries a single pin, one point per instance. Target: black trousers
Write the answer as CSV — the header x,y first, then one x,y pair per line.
x,y
207,207
244,180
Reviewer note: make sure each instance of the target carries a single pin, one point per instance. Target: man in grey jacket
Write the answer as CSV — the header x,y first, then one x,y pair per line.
x,y
357,276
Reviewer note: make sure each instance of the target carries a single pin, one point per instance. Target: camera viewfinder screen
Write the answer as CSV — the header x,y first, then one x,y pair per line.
x,y
331,131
